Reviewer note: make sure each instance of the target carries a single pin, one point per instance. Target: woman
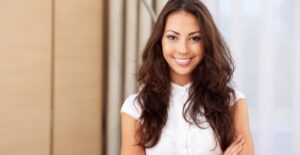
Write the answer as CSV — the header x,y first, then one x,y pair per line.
x,y
186,105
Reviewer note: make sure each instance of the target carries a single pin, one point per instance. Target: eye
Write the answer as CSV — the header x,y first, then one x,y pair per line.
x,y
171,37
196,38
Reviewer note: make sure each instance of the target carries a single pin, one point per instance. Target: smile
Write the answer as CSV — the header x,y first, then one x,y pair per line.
x,y
183,61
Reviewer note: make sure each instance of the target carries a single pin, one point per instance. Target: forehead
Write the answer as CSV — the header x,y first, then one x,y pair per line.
x,y
182,21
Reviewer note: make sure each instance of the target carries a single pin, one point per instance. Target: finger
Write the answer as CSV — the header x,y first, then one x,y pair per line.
x,y
236,141
234,145
237,148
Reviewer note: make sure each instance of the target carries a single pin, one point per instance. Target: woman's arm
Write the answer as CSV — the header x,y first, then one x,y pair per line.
x,y
130,136
239,112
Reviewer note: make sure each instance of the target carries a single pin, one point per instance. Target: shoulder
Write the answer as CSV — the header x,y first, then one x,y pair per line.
x,y
131,107
238,95
130,113
240,117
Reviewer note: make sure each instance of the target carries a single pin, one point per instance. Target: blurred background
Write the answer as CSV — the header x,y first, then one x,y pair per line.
x,y
66,67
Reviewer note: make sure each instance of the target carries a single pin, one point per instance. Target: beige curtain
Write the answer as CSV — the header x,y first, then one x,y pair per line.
x,y
129,25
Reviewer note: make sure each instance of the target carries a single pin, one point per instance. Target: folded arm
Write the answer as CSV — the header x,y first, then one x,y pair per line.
x,y
130,136
239,112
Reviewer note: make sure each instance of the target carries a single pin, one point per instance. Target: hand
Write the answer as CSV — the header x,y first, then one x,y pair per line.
x,y
235,147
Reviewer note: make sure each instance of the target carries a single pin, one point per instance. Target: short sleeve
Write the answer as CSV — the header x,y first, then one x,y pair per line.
x,y
238,95
131,107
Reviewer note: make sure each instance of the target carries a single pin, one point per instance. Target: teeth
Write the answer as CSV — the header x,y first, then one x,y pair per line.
x,y
182,61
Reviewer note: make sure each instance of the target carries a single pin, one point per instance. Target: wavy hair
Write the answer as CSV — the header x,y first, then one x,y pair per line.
x,y
210,91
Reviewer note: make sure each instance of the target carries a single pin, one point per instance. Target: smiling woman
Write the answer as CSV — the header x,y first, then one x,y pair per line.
x,y
186,104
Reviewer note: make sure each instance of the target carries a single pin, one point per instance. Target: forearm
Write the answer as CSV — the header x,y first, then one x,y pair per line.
x,y
248,148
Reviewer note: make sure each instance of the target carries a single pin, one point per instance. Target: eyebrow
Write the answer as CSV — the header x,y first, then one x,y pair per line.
x,y
189,33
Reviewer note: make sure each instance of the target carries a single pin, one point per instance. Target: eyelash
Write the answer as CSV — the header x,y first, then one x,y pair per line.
x,y
196,38
172,37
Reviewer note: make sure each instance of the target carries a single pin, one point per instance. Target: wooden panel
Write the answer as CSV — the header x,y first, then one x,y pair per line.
x,y
101,70
25,64
77,77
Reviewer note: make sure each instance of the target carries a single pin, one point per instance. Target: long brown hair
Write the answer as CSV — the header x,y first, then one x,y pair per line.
x,y
210,90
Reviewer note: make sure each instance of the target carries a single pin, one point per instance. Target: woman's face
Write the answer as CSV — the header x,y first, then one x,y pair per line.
x,y
182,46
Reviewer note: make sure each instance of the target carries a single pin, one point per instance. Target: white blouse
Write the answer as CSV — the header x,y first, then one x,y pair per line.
x,y
179,137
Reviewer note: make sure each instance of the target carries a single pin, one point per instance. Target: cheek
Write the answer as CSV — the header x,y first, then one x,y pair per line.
x,y
198,50
167,49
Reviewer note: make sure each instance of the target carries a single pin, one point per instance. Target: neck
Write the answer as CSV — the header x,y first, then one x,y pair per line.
x,y
181,80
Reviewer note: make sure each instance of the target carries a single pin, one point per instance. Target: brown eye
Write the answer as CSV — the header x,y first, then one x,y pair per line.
x,y
171,37
196,38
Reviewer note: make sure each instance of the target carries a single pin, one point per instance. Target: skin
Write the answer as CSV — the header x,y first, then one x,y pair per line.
x,y
183,50
182,46
130,136
240,117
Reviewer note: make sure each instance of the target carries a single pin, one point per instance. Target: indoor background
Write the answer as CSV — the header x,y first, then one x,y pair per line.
x,y
66,66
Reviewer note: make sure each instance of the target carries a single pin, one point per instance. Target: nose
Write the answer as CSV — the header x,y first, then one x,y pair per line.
x,y
182,48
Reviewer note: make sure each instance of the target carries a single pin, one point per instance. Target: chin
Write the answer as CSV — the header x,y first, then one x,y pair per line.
x,y
183,73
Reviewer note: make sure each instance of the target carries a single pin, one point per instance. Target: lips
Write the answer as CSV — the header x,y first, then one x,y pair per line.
x,y
183,61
